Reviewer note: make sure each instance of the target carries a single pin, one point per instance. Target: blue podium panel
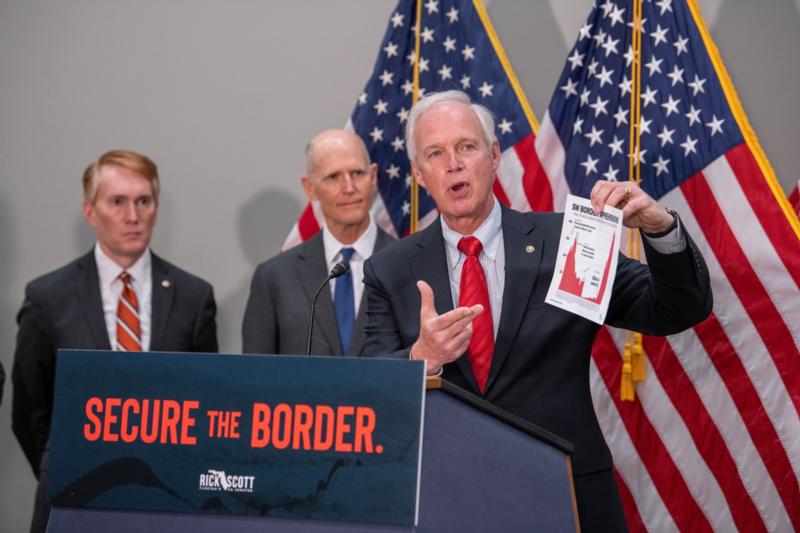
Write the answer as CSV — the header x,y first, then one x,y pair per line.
x,y
322,438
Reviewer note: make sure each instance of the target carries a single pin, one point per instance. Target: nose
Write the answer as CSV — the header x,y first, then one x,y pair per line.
x,y
349,184
454,163
131,212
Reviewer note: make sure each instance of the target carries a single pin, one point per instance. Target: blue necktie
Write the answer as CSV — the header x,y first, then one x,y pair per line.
x,y
344,304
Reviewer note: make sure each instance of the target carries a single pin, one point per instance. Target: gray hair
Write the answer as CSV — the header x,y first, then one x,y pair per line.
x,y
483,115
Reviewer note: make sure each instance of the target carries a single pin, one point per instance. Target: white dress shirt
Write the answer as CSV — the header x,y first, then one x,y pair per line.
x,y
364,246
111,289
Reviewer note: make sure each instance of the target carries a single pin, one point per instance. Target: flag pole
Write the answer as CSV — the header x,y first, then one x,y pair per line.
x,y
414,189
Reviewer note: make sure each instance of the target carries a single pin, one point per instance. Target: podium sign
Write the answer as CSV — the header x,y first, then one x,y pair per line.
x,y
292,437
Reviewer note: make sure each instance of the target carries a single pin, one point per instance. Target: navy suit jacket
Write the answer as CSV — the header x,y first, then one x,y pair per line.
x,y
64,309
540,367
279,306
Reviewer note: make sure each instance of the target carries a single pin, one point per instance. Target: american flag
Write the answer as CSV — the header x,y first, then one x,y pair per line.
x,y
712,441
458,50
794,198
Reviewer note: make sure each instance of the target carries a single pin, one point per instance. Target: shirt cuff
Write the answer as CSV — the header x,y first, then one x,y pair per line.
x,y
672,243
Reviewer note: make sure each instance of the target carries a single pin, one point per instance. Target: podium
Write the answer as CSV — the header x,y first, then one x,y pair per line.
x,y
481,469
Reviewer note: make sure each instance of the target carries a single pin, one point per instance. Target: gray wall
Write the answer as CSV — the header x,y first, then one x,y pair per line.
x,y
223,96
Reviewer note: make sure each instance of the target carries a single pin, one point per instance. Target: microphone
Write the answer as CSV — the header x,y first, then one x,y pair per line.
x,y
340,268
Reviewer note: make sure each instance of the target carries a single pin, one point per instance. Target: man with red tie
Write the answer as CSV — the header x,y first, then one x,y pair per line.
x,y
467,293
119,296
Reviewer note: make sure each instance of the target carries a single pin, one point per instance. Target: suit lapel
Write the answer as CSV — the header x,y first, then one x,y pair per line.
x,y
522,265
430,265
359,336
311,268
162,299
88,288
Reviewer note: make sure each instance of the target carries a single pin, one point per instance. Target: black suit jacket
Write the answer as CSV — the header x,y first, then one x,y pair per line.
x,y
540,368
279,306
64,309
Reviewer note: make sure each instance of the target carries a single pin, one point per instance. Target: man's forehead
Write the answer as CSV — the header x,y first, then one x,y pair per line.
x,y
449,119
114,178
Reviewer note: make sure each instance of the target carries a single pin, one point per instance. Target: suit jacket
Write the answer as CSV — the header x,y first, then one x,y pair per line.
x,y
279,306
540,367
64,309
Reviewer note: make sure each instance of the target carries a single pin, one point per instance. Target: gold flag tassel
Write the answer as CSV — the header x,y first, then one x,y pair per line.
x,y
633,367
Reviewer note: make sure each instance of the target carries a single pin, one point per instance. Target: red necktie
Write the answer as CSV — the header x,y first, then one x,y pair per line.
x,y
129,331
474,291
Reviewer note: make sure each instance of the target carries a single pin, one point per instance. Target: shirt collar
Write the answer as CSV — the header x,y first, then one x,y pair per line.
x,y
488,233
108,271
363,246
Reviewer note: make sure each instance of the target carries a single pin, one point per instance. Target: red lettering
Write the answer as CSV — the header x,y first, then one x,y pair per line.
x,y
343,428
127,434
92,430
282,426
259,435
187,421
303,419
110,418
150,436
169,422
323,422
365,425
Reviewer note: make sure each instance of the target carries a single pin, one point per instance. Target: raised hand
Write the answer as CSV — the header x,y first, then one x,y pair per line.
x,y
639,209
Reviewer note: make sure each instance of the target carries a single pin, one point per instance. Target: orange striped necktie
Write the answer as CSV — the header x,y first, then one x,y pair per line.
x,y
129,330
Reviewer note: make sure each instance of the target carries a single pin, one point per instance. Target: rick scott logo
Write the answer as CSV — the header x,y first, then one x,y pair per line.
x,y
217,480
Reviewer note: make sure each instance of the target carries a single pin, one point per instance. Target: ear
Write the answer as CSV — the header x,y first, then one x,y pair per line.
x,y
308,187
418,175
373,171
495,155
88,213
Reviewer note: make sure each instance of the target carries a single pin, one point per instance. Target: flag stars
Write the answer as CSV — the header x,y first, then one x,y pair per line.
x,y
664,5
607,7
585,96
653,66
432,6
621,116
398,144
465,82
446,72
644,125
592,68
611,174
676,75
362,98
649,96
610,46
452,15
393,172
693,115
616,146
386,78
505,126
599,37
406,207
569,88
397,20
390,49
595,136
380,107
680,45
486,89
585,32
661,165
577,127
625,85
590,165
665,136
697,85
671,105
628,56
715,125
468,52
409,179
599,106
402,115
449,44
641,156
423,64
659,35
604,77
427,35
408,87
689,145
616,16
576,60
376,134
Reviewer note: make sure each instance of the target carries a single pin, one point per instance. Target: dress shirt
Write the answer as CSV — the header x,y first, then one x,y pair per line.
x,y
493,256
111,289
364,246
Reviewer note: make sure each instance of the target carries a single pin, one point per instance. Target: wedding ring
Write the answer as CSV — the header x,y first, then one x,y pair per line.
x,y
627,191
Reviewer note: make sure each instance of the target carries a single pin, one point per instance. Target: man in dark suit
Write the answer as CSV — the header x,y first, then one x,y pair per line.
x,y
340,177
118,296
496,337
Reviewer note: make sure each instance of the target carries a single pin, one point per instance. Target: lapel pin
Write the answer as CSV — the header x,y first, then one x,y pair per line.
x,y
166,283
530,249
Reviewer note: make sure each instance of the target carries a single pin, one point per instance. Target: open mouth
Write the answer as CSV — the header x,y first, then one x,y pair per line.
x,y
459,189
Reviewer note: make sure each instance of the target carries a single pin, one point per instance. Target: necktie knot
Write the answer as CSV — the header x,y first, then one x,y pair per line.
x,y
347,254
470,246
125,278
